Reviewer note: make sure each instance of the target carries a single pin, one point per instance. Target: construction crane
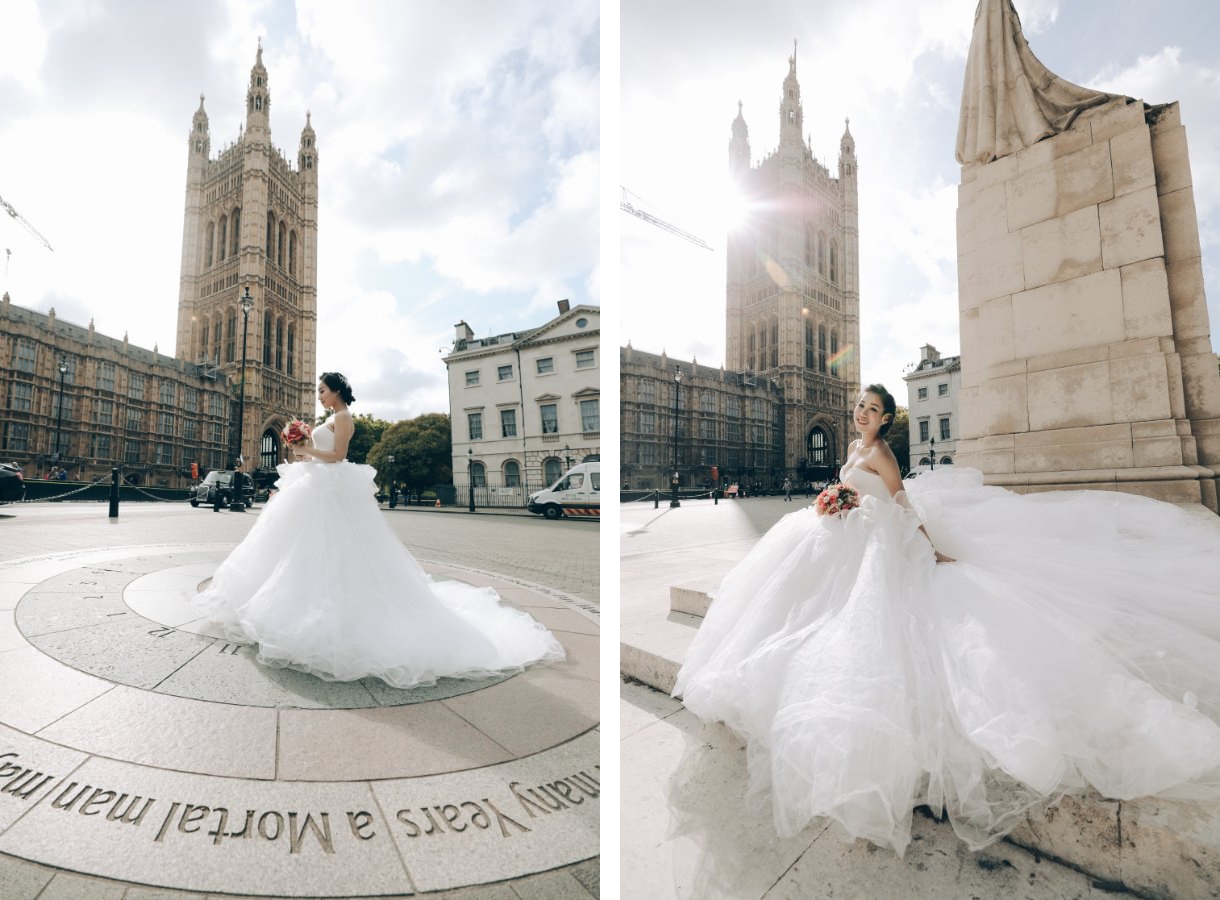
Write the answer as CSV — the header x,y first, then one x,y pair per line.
x,y
626,206
8,207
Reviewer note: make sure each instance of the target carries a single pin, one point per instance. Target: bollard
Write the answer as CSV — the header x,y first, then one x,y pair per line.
x,y
715,497
114,493
656,499
216,499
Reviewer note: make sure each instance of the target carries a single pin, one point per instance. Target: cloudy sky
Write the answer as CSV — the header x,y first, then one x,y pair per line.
x,y
458,148
895,68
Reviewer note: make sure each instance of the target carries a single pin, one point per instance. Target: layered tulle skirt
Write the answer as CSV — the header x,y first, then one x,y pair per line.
x,y
1075,644
323,585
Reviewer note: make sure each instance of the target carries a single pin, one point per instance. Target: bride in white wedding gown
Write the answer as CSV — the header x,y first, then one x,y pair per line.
x,y
1072,642
323,585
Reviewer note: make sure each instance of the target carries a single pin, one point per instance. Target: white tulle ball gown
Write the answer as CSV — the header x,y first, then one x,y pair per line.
x,y
323,585
1073,645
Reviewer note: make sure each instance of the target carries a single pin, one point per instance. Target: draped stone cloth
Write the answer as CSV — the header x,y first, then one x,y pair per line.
x,y
1009,99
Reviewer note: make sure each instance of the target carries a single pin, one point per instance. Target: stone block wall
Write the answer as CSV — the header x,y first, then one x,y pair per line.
x,y
1086,350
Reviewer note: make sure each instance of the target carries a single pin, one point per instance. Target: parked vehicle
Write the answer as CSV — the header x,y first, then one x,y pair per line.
x,y
218,482
576,494
12,484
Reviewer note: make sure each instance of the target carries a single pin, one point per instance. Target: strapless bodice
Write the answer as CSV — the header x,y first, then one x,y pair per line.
x,y
868,483
323,438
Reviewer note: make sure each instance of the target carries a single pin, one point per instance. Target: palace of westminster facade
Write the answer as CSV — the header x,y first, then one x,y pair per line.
x,y
86,402
779,406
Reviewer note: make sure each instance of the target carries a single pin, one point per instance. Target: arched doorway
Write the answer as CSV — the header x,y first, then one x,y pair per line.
x,y
820,456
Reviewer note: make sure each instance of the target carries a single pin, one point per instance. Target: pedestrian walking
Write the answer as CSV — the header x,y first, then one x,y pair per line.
x,y
787,490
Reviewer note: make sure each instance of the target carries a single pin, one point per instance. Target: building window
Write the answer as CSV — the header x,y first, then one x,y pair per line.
x,y
512,473
131,455
947,461
17,436
550,418
648,454
168,394
808,344
105,376
589,416
135,420
648,423
21,397
474,422
190,399
269,451
508,423
292,345
733,408
231,340
552,469
923,393
834,354
707,430
135,386
267,326
585,359
190,430
478,475
292,252
942,390
648,391
944,429
236,229
165,423
99,446
923,431
25,355
165,454
67,402
210,242
505,373
472,378
834,262
822,349
103,412
215,405
218,433
279,344
707,402
546,365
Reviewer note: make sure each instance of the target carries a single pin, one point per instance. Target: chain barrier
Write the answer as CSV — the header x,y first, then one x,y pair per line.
x,y
140,490
70,493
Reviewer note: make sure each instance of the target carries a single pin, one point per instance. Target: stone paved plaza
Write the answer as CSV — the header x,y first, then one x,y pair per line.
x,y
143,756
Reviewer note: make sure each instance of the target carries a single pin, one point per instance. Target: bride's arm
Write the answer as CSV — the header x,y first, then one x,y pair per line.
x,y
887,468
344,429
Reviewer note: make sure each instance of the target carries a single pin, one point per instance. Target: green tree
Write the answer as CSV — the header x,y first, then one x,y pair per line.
x,y
369,430
899,439
422,451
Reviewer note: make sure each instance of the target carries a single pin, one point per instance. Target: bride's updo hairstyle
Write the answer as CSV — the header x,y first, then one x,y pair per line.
x,y
341,386
888,406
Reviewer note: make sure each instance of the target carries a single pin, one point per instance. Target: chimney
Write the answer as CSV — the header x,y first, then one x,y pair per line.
x,y
464,332
564,306
928,352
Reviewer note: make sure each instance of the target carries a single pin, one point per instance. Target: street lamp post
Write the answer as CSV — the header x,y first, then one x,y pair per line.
x,y
393,500
247,304
673,500
932,453
567,457
62,365
470,474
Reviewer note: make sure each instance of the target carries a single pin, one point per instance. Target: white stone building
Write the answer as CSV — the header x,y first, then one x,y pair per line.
x,y
932,391
525,405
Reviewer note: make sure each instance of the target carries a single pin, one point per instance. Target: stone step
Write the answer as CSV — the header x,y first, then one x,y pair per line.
x,y
1156,848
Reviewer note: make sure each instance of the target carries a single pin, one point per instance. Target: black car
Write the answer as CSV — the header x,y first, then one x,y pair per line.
x,y
12,485
221,483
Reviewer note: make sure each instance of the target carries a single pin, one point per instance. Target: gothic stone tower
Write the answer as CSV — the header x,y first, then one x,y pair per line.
x,y
252,222
793,291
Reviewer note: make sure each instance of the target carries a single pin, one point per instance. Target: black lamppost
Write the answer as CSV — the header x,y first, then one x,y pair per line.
x,y
62,365
673,500
932,451
247,304
393,501
470,474
567,457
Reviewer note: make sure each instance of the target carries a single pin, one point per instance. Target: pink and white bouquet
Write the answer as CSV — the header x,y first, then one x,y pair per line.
x,y
836,499
296,432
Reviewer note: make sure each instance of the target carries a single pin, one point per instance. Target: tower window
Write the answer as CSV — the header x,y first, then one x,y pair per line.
x,y
279,245
834,262
292,344
834,354
279,344
236,231
222,238
231,339
270,232
292,252
822,349
267,338
209,244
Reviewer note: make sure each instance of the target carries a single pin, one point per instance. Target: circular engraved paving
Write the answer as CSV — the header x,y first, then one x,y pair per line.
x,y
130,750
134,624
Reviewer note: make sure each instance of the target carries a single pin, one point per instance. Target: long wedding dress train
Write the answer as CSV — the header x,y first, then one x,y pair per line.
x,y
323,585
1075,643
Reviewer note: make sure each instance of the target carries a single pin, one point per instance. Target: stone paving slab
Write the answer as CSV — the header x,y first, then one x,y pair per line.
x,y
263,801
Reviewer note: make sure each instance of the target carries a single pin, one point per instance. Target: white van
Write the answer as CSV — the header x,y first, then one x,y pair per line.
x,y
576,494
